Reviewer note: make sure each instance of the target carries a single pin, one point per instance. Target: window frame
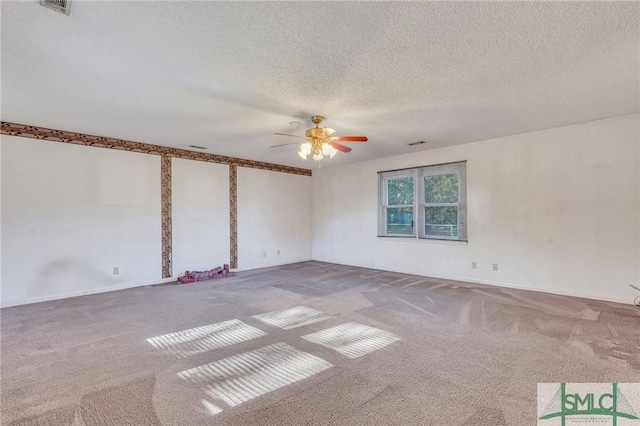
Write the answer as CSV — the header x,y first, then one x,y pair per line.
x,y
419,204
384,204
460,205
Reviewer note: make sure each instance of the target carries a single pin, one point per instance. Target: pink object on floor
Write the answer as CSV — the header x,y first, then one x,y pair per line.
x,y
215,273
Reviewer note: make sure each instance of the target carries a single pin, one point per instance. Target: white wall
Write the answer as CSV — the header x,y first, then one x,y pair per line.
x,y
557,210
274,213
200,215
70,214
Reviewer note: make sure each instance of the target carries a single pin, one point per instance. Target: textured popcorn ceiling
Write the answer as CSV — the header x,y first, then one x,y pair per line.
x,y
228,75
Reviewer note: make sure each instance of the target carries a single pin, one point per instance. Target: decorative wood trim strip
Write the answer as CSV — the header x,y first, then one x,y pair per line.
x,y
233,214
42,133
165,190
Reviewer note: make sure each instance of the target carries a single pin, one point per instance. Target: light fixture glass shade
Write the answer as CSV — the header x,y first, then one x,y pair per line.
x,y
318,156
302,154
328,150
306,148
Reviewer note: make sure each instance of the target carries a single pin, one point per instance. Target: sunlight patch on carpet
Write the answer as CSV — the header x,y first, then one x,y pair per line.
x,y
202,339
211,408
352,340
292,317
246,376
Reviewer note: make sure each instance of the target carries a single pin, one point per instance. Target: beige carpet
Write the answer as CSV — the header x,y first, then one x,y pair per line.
x,y
310,343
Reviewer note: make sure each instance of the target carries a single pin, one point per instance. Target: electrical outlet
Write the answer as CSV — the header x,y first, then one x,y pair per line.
x,y
278,252
264,254
116,270
474,265
495,266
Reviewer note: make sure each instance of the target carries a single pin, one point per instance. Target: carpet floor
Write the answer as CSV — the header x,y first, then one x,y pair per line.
x,y
307,344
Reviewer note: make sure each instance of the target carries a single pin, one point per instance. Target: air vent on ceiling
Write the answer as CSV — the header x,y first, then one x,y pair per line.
x,y
416,143
197,147
62,6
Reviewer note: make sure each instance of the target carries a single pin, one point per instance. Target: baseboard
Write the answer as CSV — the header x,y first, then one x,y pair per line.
x,y
83,292
544,290
286,262
606,298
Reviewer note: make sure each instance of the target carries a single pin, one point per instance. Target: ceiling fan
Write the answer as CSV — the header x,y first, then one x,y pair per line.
x,y
319,142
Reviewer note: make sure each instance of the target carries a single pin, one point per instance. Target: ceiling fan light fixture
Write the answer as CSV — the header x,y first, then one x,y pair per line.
x,y
319,142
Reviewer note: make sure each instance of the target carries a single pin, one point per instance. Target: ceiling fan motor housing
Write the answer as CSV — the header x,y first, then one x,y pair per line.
x,y
316,133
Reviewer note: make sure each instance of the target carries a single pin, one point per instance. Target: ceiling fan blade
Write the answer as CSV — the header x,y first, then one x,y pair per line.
x,y
340,147
328,131
286,134
285,144
351,138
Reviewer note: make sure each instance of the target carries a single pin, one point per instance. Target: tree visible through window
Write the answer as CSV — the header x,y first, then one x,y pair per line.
x,y
400,196
435,195
441,198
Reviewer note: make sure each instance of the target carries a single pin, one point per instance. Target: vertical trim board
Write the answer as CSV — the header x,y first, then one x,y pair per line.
x,y
165,188
233,214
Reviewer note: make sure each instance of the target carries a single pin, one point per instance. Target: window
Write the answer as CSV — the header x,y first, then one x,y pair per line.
x,y
424,202
398,205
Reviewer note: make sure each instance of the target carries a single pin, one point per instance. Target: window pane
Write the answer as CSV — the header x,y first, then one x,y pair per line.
x,y
400,191
441,221
400,220
441,188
